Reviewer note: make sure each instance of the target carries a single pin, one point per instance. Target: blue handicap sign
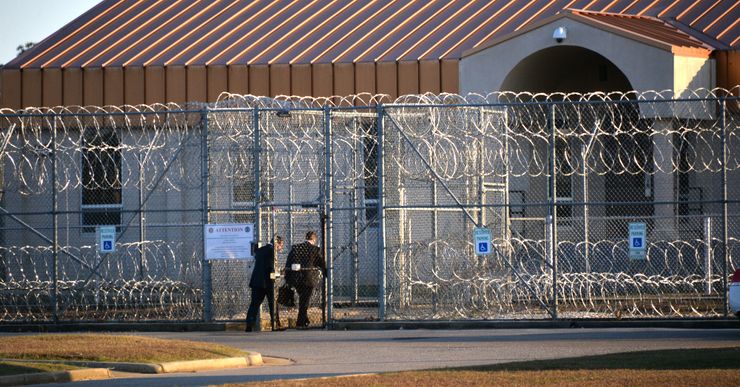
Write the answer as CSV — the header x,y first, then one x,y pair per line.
x,y
483,247
107,245
637,242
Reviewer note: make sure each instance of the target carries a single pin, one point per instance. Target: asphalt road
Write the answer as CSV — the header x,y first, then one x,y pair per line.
x,y
330,353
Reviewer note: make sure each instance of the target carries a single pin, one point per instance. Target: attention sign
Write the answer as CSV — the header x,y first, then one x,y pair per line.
x,y
229,241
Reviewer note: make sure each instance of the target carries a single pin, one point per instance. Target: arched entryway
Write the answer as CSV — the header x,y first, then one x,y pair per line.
x,y
566,69
629,149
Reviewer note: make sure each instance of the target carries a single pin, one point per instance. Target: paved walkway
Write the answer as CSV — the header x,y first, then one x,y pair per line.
x,y
329,353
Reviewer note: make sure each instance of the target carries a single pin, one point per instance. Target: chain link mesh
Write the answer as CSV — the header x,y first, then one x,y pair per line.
x,y
557,178
610,159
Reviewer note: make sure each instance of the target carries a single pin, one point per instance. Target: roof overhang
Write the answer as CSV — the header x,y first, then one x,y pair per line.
x,y
695,48
658,58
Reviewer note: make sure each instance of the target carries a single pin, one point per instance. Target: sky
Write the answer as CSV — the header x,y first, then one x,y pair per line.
x,y
24,21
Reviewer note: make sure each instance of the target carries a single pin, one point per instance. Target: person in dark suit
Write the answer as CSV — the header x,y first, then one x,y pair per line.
x,y
262,282
308,259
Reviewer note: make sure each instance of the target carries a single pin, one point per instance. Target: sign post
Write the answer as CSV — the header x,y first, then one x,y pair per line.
x,y
482,241
637,241
106,238
229,241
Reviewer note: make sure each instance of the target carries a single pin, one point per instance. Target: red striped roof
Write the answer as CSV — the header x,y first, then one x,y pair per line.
x,y
224,32
647,27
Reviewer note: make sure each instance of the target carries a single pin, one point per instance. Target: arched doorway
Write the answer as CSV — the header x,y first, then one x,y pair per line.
x,y
566,69
622,158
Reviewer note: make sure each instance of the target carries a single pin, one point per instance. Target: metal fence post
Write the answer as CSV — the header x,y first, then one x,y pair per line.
x,y
381,216
708,254
328,203
204,168
55,221
552,210
584,181
257,186
725,219
142,235
481,168
257,148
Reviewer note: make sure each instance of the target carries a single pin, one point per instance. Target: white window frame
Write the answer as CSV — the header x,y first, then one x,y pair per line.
x,y
88,228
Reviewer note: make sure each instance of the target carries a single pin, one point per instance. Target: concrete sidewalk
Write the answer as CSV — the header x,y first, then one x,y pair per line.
x,y
715,323
334,353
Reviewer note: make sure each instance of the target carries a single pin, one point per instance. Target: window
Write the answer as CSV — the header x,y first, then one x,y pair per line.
x,y
370,153
563,179
242,192
242,199
565,162
101,178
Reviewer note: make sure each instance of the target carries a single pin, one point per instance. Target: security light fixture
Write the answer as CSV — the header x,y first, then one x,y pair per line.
x,y
560,34
283,113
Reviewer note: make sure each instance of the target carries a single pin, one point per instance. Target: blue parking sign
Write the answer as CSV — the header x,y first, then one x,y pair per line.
x,y
482,241
636,241
106,239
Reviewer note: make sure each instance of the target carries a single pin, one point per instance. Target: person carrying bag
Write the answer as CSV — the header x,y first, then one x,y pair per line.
x,y
303,271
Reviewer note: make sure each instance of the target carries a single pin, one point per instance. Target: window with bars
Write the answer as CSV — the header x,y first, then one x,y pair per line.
x,y
101,202
370,161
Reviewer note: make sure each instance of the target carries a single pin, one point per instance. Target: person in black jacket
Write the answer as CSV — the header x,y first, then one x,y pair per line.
x,y
308,259
263,281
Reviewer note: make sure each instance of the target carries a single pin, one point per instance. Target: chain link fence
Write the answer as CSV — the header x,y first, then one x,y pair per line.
x,y
394,189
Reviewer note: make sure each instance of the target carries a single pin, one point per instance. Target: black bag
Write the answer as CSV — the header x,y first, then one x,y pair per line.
x,y
286,296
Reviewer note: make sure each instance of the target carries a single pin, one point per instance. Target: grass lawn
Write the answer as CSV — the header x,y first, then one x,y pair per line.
x,y
705,367
14,368
115,348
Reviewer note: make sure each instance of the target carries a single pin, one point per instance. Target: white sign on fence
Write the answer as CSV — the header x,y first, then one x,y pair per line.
x,y
637,241
482,241
229,241
106,239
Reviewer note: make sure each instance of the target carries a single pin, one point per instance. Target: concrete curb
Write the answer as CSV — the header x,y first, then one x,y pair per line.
x,y
732,323
253,359
699,323
55,377
121,327
211,364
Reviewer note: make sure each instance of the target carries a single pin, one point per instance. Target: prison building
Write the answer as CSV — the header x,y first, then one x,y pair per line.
x,y
135,52
487,158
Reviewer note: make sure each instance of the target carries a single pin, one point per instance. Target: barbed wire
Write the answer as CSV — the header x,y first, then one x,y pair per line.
x,y
444,279
429,140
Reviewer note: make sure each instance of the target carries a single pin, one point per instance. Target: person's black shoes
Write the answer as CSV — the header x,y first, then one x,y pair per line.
x,y
249,328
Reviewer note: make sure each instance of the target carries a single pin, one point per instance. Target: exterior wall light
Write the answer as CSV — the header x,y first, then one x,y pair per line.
x,y
560,34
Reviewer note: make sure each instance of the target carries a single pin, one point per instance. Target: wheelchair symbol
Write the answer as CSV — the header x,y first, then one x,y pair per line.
x,y
483,247
637,242
107,245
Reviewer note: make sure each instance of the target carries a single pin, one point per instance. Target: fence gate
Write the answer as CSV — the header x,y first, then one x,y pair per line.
x,y
292,185
445,171
278,185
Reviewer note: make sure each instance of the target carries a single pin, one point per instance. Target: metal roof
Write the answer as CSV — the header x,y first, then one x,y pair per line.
x,y
646,27
119,33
